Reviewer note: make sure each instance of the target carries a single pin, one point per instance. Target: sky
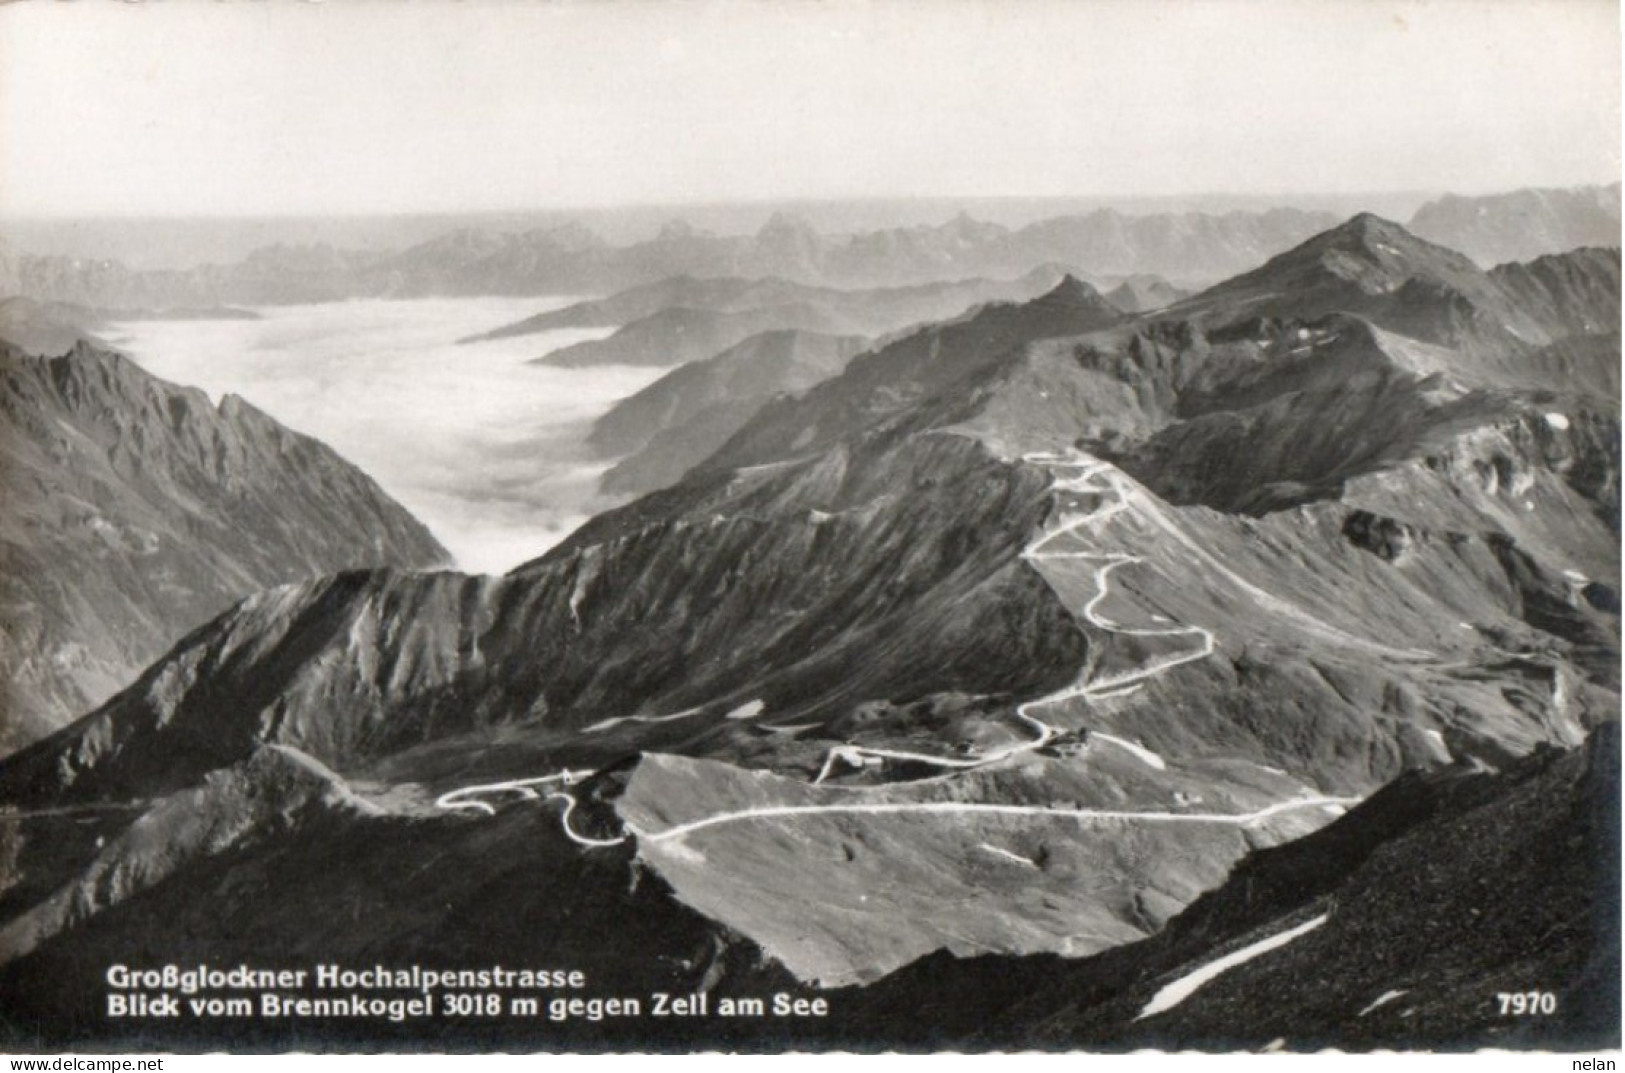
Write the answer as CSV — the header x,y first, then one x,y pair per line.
x,y
362,106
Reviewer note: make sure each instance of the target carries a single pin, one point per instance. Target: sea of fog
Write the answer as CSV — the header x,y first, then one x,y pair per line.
x,y
483,448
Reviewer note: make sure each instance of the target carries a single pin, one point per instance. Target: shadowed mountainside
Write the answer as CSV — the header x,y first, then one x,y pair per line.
x,y
137,510
1436,896
682,418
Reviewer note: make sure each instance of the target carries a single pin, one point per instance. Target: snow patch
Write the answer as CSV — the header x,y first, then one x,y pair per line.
x,y
1145,755
604,725
1382,1000
748,710
1558,421
682,851
1181,989
1018,858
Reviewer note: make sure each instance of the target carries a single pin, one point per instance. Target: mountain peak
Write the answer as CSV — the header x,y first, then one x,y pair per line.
x,y
1372,255
463,238
571,236
1143,293
967,228
90,360
1072,291
1395,248
782,222
1370,237
1369,227
1378,269
1368,220
1071,306
676,230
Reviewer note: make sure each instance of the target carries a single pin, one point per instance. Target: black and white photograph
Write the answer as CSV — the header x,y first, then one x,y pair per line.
x,y
820,526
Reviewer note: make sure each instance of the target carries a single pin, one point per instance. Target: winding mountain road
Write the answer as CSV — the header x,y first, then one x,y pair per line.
x,y
854,754
1121,498
961,808
1094,477
524,788
564,822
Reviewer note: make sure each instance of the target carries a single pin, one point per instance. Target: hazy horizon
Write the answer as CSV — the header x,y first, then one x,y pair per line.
x,y
179,242
185,241
284,111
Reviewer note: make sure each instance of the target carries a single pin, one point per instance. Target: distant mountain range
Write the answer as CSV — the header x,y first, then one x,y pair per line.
x,y
1266,628
1187,248
873,311
137,509
728,311
675,337
1524,224
570,260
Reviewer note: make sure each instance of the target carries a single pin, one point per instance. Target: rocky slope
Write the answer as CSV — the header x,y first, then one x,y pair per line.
x,y
1524,224
137,510
941,362
678,421
1572,293
1376,269
1317,399
549,644
1013,638
340,878
675,423
1423,905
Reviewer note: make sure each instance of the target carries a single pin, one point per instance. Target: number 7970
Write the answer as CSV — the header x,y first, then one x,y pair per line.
x,y
1527,1003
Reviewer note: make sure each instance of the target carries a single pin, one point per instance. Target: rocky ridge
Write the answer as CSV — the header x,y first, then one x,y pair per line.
x,y
138,510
